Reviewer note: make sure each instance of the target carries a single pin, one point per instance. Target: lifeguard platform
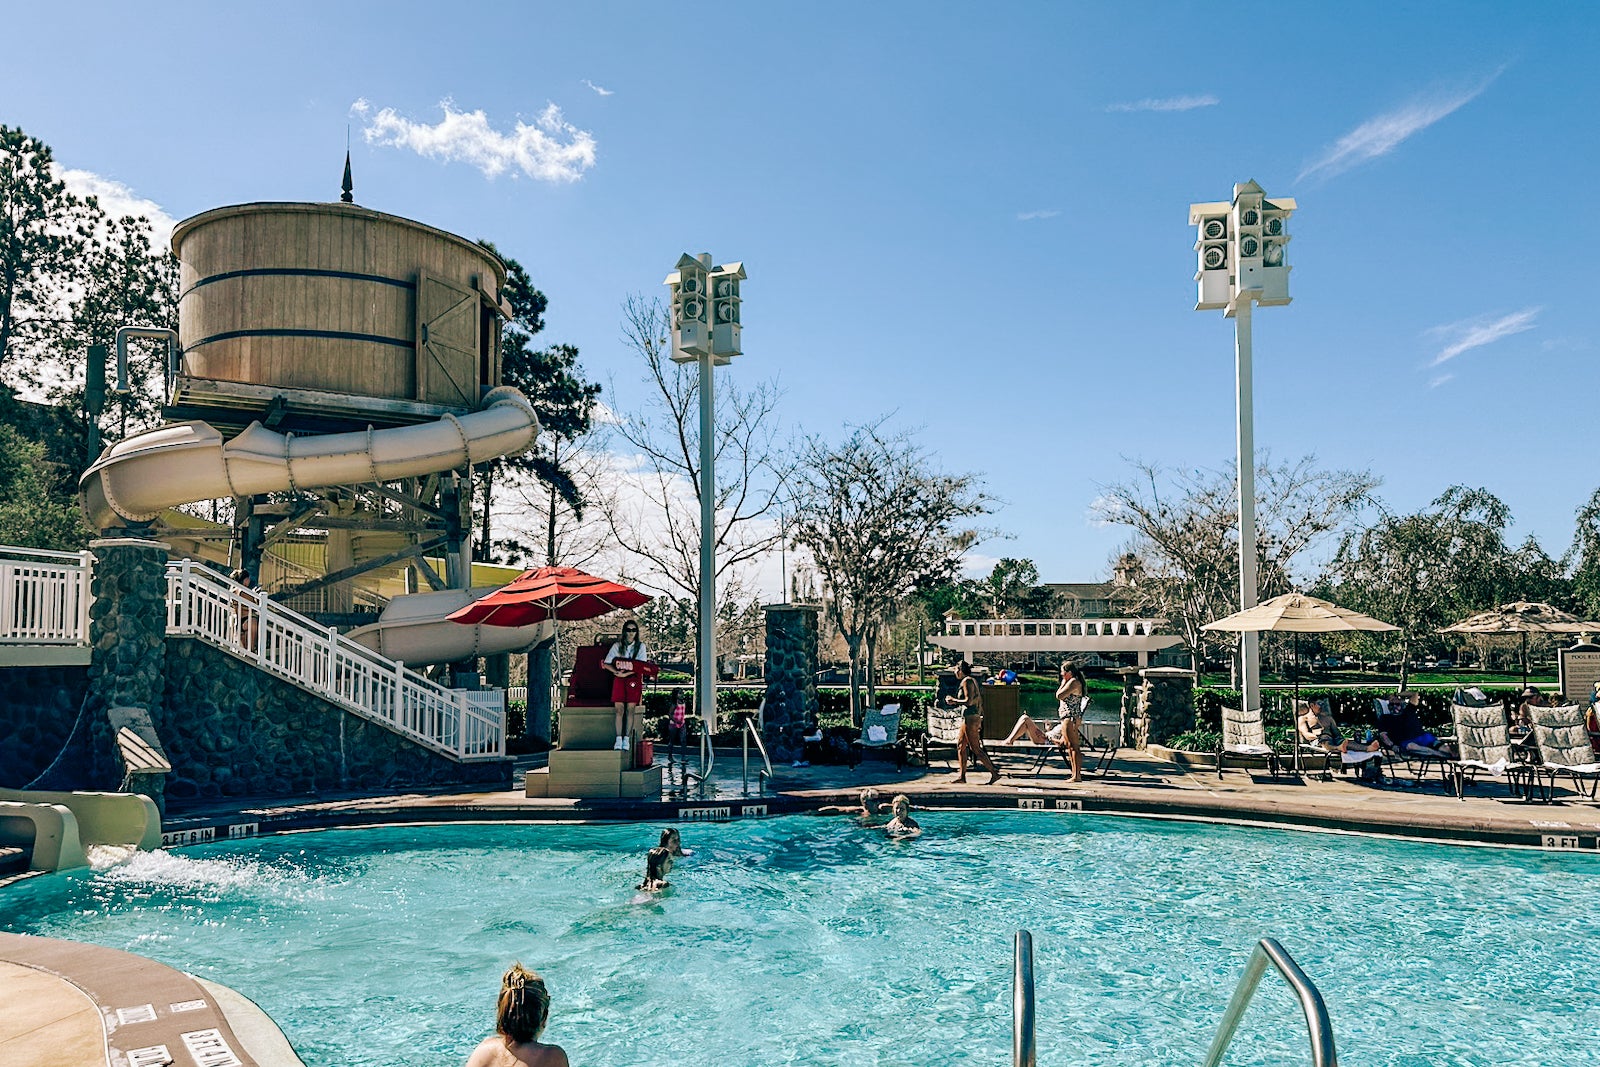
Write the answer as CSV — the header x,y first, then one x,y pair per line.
x,y
586,765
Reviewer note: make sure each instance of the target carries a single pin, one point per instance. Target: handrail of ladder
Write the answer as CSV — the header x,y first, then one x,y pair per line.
x,y
1023,1052
204,604
750,731
1268,950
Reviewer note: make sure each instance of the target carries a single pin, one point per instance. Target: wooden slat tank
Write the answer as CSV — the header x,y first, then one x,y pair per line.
x,y
323,315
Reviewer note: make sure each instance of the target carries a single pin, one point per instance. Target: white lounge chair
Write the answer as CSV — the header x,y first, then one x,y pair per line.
x,y
1244,740
1563,739
1485,741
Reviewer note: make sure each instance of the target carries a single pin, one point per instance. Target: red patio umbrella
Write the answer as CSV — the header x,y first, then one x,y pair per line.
x,y
550,593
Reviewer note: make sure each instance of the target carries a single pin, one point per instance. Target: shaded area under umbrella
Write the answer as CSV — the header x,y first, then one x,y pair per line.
x,y
551,593
1522,617
1298,614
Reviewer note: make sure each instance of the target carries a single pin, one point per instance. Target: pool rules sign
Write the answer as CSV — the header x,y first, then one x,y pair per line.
x,y
1580,671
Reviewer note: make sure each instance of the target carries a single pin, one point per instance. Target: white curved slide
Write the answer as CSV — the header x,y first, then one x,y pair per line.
x,y
414,629
57,826
136,479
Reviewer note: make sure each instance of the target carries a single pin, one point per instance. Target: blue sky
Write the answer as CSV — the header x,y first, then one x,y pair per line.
x,y
973,216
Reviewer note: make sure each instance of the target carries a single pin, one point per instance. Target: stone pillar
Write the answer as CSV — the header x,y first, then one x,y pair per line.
x,y
1165,705
127,640
536,727
791,672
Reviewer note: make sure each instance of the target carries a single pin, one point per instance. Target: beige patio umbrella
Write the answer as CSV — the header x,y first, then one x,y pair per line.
x,y
1523,617
1298,614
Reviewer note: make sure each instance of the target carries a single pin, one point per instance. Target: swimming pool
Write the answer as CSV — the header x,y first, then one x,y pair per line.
x,y
807,940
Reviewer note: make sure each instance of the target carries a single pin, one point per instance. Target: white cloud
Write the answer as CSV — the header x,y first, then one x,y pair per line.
x,y
1383,134
1029,216
1468,334
1438,380
1166,103
551,149
599,90
117,200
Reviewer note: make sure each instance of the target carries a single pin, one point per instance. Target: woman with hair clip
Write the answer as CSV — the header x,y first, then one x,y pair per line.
x,y
520,1017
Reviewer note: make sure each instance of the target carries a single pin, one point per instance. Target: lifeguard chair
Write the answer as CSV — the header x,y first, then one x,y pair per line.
x,y
586,765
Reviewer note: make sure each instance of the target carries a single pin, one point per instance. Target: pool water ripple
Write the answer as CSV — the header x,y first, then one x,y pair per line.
x,y
809,940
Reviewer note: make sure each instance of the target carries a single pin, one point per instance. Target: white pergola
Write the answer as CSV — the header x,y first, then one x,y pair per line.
x,y
1101,636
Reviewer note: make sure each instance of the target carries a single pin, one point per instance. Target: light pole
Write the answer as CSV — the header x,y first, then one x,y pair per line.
x,y
705,330
1242,248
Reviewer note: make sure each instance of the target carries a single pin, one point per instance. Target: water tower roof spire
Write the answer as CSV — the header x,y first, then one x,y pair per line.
x,y
347,195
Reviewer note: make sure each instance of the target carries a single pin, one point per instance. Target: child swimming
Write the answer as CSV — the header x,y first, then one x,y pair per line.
x,y
902,825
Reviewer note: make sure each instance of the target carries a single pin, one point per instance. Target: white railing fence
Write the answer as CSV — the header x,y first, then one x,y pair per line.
x,y
202,603
44,597
1118,627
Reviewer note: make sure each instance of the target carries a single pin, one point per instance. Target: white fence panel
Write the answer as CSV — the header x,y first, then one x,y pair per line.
x,y
204,604
44,597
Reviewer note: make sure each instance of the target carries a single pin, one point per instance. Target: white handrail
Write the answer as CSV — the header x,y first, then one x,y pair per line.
x,y
44,596
203,604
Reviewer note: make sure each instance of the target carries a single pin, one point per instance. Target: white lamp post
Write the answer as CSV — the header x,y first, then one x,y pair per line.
x,y
705,330
1242,248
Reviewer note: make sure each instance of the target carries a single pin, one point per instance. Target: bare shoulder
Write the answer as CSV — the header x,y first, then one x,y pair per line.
x,y
488,1053
551,1056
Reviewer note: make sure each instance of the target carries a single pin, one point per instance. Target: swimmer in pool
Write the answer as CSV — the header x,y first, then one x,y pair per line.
x,y
673,842
520,1017
902,825
867,812
657,865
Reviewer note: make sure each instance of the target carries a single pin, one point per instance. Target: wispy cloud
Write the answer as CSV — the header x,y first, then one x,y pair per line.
x,y
1383,134
1029,216
1438,380
117,200
599,91
1166,103
1468,334
550,149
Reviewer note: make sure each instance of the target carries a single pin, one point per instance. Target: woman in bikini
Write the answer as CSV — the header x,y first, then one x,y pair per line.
x,y
970,698
1071,701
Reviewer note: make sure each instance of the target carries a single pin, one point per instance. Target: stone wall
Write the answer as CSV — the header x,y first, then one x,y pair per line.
x,y
791,672
127,643
1157,704
233,730
38,708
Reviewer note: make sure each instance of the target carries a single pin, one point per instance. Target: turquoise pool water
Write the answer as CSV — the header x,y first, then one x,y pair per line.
x,y
807,940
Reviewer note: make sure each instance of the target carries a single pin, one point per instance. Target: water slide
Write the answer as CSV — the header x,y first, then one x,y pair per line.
x,y
414,630
136,479
56,827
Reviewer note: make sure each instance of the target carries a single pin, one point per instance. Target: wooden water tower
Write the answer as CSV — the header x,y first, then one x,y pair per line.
x,y
326,317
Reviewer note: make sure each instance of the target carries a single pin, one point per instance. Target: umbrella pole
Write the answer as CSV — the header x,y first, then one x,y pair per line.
x,y
1524,659
1294,709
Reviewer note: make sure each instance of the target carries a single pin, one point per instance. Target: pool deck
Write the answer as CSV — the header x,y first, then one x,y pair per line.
x,y
70,993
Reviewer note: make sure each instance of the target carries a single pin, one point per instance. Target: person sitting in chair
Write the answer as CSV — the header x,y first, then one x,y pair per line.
x,y
1401,729
1317,727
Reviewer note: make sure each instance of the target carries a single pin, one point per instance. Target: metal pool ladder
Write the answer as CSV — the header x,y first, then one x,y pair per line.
x,y
1267,950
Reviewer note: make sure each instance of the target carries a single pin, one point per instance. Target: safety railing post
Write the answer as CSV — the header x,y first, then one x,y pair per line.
x,y
1023,1050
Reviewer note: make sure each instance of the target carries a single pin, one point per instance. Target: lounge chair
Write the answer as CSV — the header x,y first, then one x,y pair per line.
x,y
1484,737
880,731
1244,741
1416,762
1100,735
943,733
1563,739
